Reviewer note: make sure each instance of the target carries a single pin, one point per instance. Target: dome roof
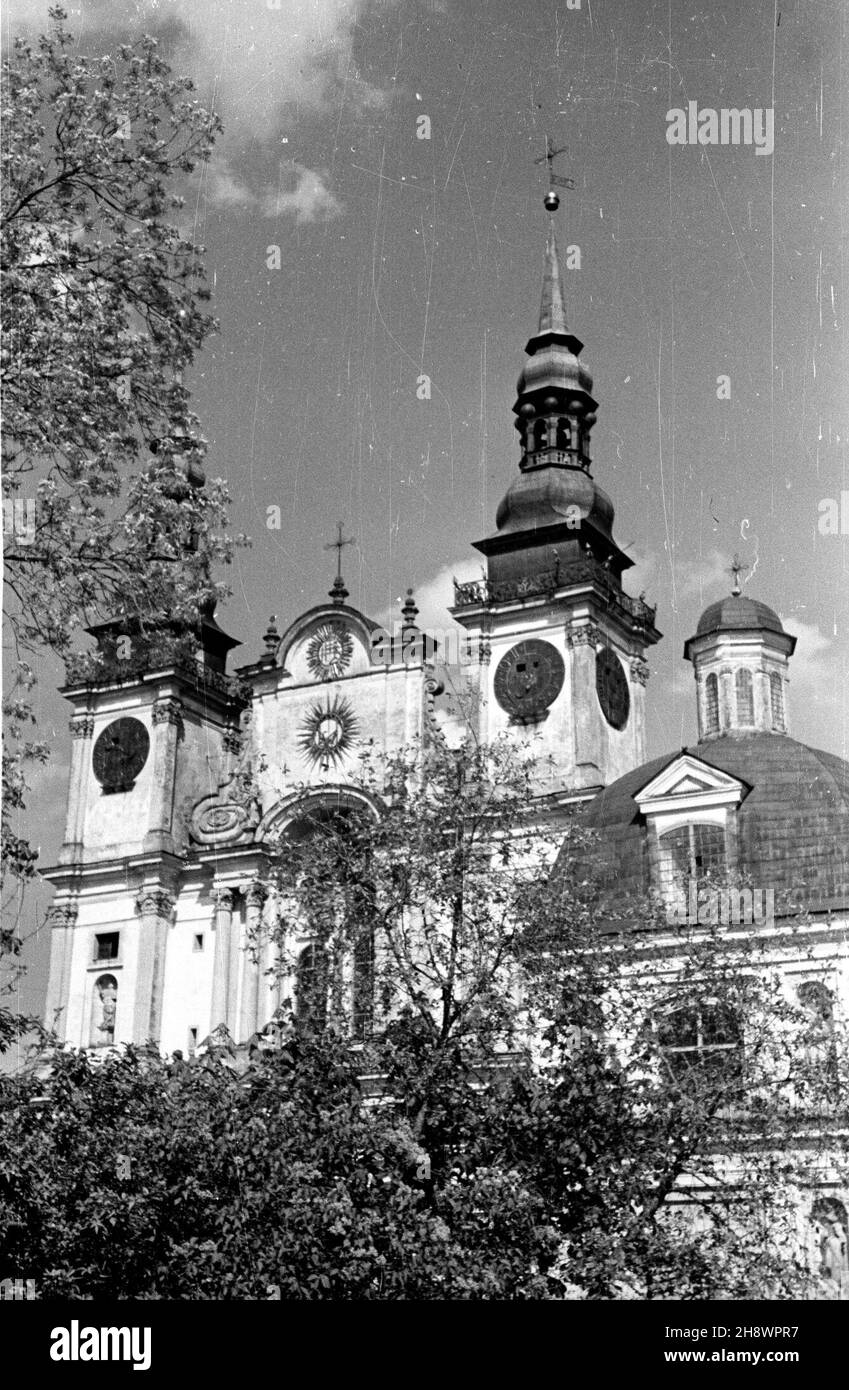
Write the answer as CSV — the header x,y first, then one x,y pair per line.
x,y
737,612
554,366
545,497
794,796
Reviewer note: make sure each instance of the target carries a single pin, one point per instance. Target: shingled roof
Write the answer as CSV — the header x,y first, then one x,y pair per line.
x,y
793,819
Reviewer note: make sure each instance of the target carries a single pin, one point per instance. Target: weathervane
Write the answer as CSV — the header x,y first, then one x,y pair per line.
x,y
552,201
339,593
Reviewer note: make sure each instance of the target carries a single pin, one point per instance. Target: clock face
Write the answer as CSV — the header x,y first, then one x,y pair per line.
x,y
529,679
119,754
612,687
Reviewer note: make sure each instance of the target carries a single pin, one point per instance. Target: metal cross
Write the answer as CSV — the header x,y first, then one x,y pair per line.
x,y
737,568
548,158
338,545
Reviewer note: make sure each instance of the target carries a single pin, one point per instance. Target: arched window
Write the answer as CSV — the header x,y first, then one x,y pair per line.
x,y
776,701
745,699
312,989
820,1049
702,1042
540,434
712,704
830,1246
691,853
103,1008
564,434
818,1002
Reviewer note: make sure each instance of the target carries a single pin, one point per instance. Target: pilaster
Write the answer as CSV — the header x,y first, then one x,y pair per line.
x,y
167,732
82,729
155,907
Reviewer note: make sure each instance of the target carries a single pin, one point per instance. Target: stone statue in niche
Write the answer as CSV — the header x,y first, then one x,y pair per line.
x,y
106,997
830,1234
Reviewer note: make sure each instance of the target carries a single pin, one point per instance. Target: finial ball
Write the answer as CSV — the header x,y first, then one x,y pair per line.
x,y
552,202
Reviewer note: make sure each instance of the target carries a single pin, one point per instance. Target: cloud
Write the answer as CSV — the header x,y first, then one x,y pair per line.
x,y
307,199
643,574
310,200
819,676
706,578
223,189
435,596
262,67
253,58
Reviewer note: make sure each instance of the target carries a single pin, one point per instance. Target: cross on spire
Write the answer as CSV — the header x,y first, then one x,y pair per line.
x,y
737,568
339,593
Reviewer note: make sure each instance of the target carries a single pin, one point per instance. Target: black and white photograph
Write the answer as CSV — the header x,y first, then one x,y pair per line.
x,y
425,671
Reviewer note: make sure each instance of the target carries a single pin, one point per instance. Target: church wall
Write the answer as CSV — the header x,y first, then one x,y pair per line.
x,y
203,766
112,912
188,971
116,821
385,703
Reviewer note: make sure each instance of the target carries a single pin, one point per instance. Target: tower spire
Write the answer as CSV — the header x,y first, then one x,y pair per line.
x,y
552,309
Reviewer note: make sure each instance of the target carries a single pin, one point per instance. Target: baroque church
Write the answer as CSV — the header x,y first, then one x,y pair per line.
x,y
159,880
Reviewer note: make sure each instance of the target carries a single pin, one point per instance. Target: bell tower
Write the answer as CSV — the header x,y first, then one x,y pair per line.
x,y
557,645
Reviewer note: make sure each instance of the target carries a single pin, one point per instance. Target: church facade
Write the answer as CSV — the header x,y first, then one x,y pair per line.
x,y
158,884
182,770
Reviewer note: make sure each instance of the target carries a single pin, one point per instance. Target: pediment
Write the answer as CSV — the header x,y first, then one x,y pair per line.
x,y
327,644
685,781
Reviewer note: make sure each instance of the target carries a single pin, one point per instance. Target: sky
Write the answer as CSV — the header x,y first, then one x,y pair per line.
x,y
348,256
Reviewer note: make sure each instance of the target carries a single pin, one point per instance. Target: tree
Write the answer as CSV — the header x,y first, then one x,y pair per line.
x,y
104,506
537,1104
104,311
522,1030
139,1178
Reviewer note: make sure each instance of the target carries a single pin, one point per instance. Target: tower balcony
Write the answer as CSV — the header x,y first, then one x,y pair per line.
x,y
481,593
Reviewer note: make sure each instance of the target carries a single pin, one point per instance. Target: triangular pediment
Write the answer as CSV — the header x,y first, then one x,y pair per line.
x,y
686,779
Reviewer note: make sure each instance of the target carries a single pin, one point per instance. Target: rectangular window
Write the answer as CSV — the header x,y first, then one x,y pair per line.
x,y
193,1041
198,942
106,946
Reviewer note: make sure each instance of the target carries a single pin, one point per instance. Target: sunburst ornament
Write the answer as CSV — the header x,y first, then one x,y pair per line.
x,y
328,732
329,651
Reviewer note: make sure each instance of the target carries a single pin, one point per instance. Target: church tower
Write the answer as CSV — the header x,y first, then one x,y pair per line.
x,y
558,646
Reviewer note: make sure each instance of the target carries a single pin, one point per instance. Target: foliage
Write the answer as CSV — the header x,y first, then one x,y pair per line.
x,y
522,1029
103,311
138,1178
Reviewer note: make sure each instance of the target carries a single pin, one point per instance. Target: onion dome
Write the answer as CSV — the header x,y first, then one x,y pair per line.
x,y
546,497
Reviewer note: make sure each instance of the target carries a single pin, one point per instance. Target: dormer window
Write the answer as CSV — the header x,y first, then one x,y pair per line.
x,y
745,700
689,854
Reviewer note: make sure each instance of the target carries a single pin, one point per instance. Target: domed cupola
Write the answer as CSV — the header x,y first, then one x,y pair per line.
x,y
555,410
740,655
